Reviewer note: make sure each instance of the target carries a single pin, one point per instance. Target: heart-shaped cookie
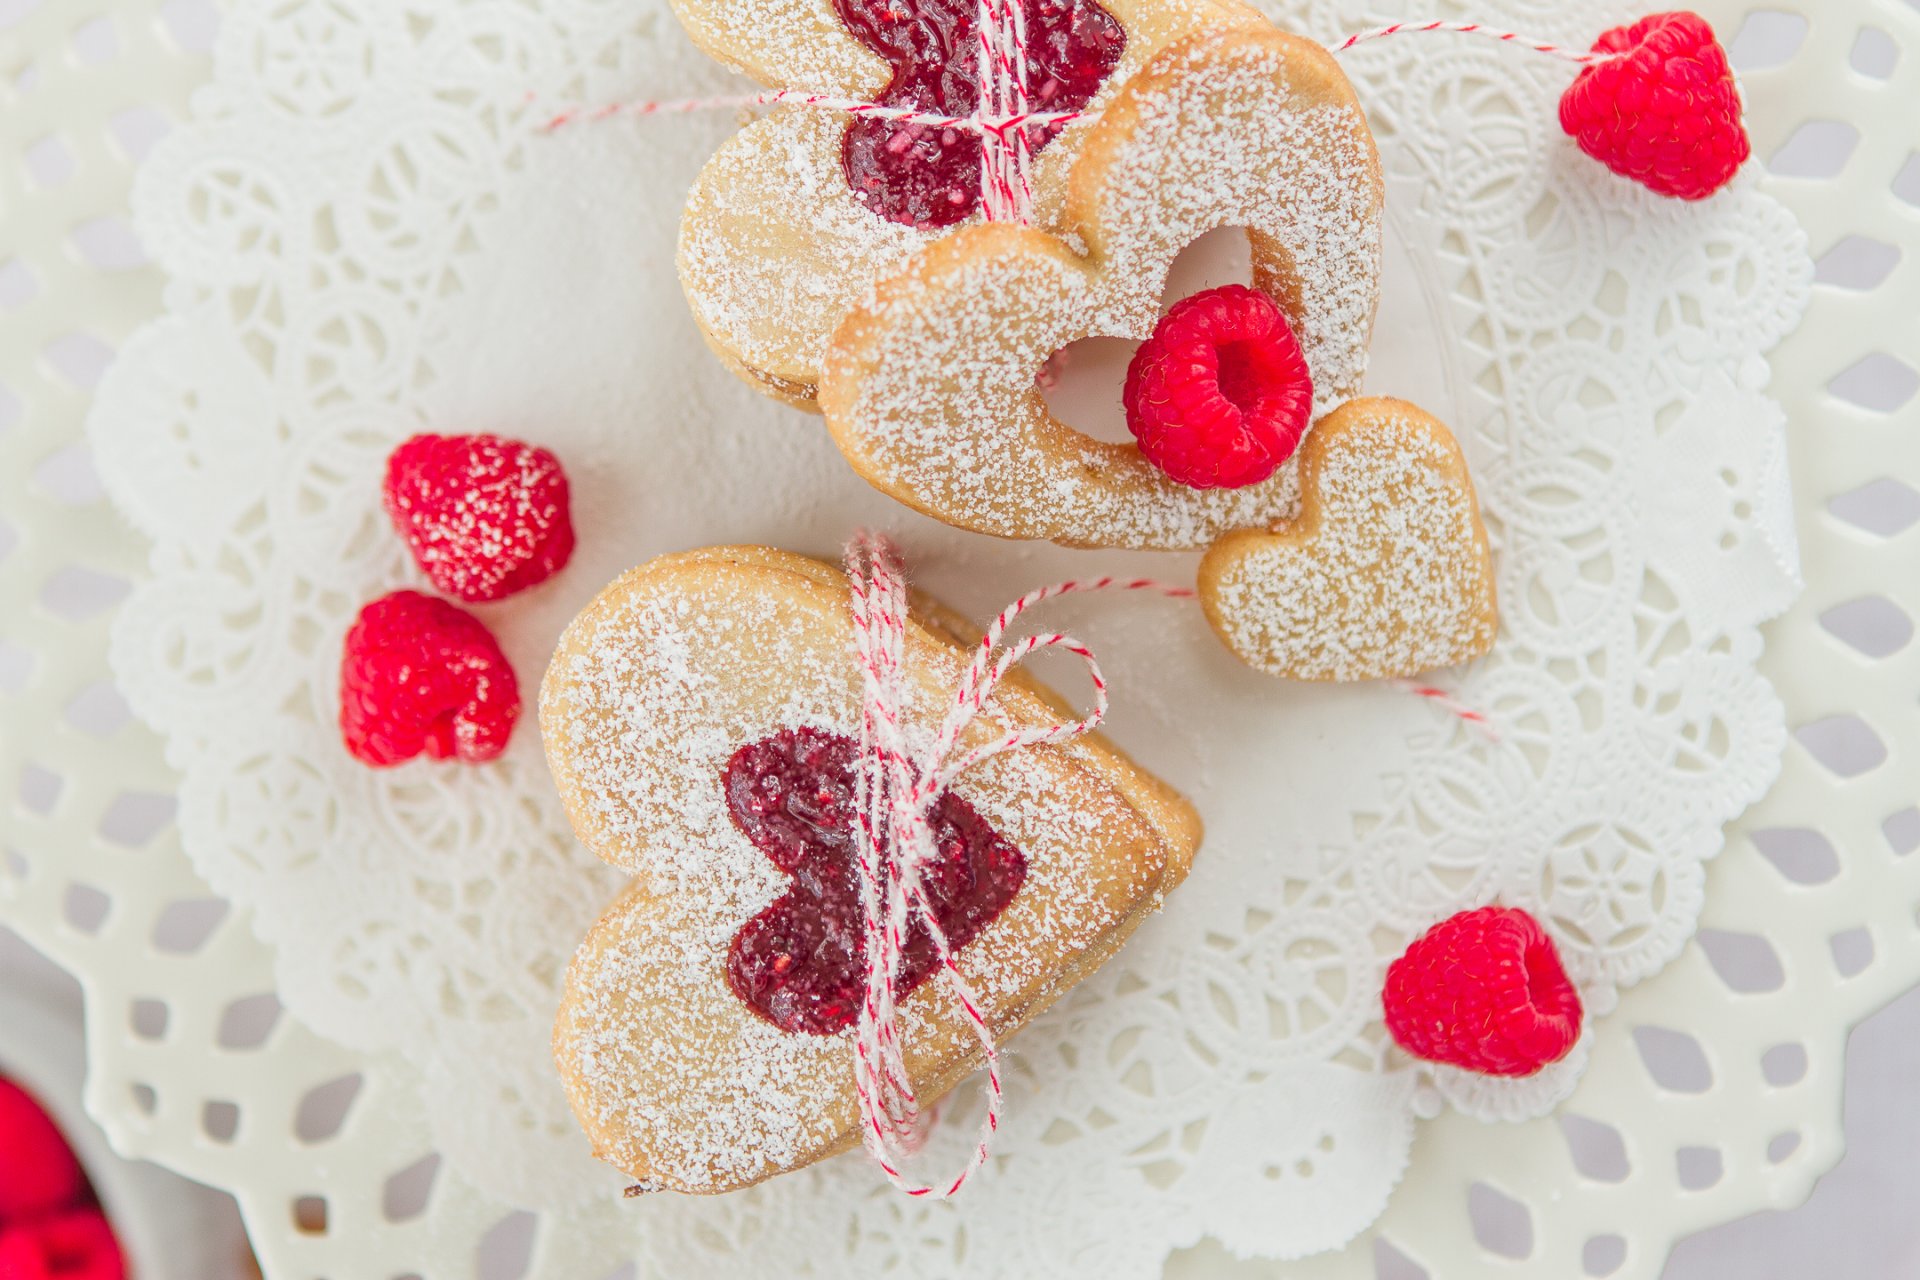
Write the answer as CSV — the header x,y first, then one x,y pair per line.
x,y
798,215
1384,573
930,389
700,719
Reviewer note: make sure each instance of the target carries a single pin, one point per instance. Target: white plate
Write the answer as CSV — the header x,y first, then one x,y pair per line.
x,y
1738,1114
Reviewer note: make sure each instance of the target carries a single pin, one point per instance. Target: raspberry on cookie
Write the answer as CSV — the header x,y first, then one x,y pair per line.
x,y
1221,394
930,387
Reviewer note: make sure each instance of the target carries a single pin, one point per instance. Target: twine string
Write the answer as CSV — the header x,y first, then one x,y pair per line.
x,y
1452,705
895,790
1001,116
896,787
1582,57
978,121
1006,184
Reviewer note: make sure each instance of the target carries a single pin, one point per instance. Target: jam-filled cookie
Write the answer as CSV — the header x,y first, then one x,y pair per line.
x,y
803,211
701,719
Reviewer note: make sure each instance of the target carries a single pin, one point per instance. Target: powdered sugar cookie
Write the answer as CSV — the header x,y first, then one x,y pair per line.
x,y
701,718
800,213
1384,573
930,389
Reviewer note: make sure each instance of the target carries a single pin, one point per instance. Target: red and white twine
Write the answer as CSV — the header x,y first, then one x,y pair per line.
x,y
573,115
1006,181
1001,117
896,787
1451,705
1580,56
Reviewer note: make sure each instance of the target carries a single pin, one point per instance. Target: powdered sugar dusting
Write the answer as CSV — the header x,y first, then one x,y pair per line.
x,y
655,687
484,517
1247,137
939,405
1387,573
774,249
784,44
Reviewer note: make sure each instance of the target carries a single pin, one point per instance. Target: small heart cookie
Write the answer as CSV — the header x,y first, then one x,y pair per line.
x,y
1385,573
930,388
701,719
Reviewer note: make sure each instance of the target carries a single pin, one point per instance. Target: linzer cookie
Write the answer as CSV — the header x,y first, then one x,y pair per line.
x,y
1384,573
703,721
930,388
801,213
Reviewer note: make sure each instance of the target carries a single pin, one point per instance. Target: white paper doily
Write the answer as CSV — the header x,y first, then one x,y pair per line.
x,y
1598,348
276,1185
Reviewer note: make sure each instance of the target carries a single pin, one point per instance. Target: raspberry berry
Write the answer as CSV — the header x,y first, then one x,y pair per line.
x,y
1485,991
1664,111
1221,395
38,1172
419,676
69,1246
484,517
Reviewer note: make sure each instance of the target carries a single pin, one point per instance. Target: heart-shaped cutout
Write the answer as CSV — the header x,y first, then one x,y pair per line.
x,y
655,690
925,176
801,963
1385,572
930,388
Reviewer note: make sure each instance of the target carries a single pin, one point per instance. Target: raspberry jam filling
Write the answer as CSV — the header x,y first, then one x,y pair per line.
x,y
926,177
801,963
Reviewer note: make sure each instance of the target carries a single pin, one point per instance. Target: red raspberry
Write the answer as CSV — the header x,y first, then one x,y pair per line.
x,y
70,1246
485,517
1485,991
38,1172
420,675
1665,112
1221,395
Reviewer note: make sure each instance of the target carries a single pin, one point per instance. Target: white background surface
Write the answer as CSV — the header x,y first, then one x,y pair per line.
x,y
1860,1222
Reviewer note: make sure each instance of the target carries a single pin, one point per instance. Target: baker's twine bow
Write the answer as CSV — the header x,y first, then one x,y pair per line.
x,y
896,786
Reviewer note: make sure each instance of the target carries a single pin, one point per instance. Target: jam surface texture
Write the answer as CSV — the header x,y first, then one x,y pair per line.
x,y
801,963
923,176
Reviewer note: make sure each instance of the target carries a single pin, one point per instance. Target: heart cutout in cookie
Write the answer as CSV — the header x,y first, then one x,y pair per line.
x,y
1386,571
929,386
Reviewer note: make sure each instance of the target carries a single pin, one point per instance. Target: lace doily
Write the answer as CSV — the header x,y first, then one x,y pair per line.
x,y
364,238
